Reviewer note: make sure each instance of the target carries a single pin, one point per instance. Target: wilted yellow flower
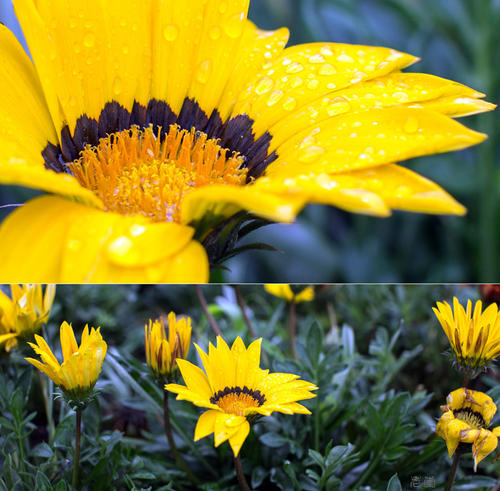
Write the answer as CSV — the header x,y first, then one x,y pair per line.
x,y
162,353
24,313
285,292
473,335
467,413
235,389
81,366
152,123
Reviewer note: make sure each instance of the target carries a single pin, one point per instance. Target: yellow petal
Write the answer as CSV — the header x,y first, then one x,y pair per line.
x,y
256,49
306,295
68,341
228,200
236,441
280,290
51,239
305,72
194,378
410,89
360,140
88,53
205,425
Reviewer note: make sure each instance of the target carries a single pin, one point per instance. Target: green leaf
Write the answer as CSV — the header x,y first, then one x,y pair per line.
x,y
42,482
394,484
273,440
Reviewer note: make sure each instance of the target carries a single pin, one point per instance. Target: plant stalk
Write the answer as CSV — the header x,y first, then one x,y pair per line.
x,y
453,472
210,317
76,464
241,304
170,437
47,405
292,329
241,477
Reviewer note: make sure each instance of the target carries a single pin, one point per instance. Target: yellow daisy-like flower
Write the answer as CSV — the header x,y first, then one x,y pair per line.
x,y
153,123
78,373
285,292
24,313
235,389
162,353
474,335
465,417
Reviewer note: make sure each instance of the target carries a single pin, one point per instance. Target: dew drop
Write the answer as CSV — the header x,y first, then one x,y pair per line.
x,y
117,86
313,84
215,33
290,104
317,59
275,97
89,40
264,85
327,70
311,154
326,51
401,96
234,26
295,68
170,33
411,125
120,246
345,58
203,72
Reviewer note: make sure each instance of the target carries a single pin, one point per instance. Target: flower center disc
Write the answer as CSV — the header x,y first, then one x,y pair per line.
x,y
470,417
137,171
234,400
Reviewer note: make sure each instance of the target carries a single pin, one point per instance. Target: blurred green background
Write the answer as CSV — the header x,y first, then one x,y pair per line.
x,y
456,39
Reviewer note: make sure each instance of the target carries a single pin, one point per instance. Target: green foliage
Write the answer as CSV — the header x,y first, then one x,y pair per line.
x,y
375,352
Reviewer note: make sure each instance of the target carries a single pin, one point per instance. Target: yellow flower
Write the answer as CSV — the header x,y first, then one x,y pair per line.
x,y
24,313
467,413
235,389
152,123
473,335
78,373
285,292
162,353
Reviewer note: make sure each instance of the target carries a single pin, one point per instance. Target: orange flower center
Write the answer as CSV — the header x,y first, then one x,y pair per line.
x,y
234,400
137,171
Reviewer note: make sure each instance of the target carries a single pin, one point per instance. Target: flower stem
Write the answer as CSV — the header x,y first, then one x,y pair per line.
x,y
78,431
210,317
241,304
239,472
292,329
47,402
453,472
170,437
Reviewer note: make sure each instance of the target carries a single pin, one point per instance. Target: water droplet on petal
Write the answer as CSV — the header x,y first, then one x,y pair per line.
x,y
170,32
234,26
317,59
89,40
136,230
327,70
74,245
117,86
345,58
411,125
275,97
313,84
264,85
215,33
203,72
120,246
311,154
295,68
290,104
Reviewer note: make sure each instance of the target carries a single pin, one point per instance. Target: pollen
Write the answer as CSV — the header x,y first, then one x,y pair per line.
x,y
235,400
139,171
470,417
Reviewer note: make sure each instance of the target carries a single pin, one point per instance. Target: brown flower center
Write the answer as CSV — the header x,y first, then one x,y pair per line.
x,y
235,400
135,171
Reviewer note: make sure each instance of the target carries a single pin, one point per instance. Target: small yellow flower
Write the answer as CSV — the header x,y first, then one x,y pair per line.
x,y
285,292
24,313
162,353
151,123
467,413
473,335
235,390
78,373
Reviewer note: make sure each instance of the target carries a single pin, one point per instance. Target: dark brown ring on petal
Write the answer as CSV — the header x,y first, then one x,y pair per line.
x,y
236,134
469,416
255,394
